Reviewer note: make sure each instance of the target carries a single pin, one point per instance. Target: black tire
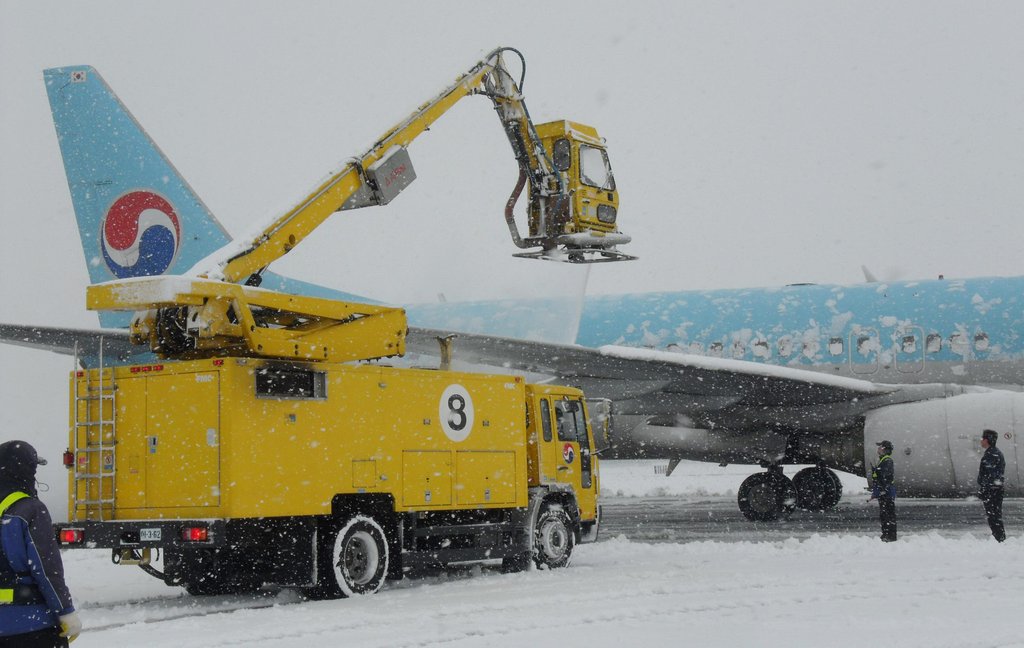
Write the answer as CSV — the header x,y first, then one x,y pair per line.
x,y
817,488
553,538
766,497
837,486
354,556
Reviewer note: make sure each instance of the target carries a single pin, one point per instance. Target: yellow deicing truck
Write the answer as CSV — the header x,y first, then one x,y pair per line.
x,y
264,444
333,477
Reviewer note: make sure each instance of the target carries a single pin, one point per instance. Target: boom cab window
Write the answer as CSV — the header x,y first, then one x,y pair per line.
x,y
595,169
561,155
274,381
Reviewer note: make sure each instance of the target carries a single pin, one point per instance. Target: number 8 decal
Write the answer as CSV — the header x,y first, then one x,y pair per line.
x,y
455,411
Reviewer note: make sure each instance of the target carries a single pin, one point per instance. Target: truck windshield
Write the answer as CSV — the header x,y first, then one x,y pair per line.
x,y
595,169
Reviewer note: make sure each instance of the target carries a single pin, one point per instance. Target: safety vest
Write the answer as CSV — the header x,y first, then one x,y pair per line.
x,y
7,594
881,460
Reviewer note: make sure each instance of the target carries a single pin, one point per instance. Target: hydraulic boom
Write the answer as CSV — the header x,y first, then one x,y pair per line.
x,y
572,213
573,200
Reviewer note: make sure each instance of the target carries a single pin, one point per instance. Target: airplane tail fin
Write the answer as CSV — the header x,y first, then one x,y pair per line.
x,y
136,215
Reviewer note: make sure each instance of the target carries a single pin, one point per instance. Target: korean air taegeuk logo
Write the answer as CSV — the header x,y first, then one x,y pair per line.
x,y
139,235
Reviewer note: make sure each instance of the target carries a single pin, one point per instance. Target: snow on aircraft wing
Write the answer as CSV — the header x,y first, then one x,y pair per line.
x,y
616,373
620,373
66,341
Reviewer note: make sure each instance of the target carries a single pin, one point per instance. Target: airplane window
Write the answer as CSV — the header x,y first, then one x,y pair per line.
x,y
785,346
981,341
738,348
865,344
761,349
908,344
674,348
696,347
810,347
958,343
835,346
715,349
933,343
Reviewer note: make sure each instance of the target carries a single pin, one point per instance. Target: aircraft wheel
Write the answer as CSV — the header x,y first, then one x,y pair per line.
x,y
767,496
817,488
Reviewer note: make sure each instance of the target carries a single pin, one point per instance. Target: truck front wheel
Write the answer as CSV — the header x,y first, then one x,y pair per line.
x,y
554,538
358,554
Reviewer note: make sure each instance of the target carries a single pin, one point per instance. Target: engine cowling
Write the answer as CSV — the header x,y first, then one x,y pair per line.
x,y
936,443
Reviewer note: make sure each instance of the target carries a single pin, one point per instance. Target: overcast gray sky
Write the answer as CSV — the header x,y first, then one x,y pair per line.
x,y
754,144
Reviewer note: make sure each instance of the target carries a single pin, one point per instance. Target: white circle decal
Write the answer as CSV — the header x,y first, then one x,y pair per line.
x,y
455,411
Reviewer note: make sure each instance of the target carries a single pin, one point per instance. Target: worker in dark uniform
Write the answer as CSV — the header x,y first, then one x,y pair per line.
x,y
990,483
35,605
883,474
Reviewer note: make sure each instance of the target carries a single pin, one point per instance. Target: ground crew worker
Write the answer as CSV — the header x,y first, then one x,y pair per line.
x,y
35,605
990,483
883,474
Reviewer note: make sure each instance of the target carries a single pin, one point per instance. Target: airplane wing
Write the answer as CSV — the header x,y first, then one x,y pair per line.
x,y
682,390
630,371
83,342
663,388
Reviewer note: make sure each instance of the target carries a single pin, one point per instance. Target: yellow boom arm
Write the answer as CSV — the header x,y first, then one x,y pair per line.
x,y
378,175
572,212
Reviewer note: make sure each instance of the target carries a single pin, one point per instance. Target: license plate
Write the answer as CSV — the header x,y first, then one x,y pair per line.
x,y
149,535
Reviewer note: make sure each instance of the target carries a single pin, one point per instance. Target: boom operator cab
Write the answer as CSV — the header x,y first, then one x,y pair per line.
x,y
585,213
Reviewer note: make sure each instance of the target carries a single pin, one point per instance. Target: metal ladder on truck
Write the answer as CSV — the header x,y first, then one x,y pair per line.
x,y
94,422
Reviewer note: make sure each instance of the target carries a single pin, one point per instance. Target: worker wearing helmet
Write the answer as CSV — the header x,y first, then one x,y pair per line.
x,y
883,474
35,605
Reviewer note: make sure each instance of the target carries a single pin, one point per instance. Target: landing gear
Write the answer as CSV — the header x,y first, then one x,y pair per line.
x,y
817,488
767,496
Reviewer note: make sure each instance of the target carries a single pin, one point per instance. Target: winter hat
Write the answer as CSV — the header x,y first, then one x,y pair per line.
x,y
991,436
18,462
885,445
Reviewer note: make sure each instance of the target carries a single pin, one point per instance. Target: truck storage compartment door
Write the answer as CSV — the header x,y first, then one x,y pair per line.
x,y
426,478
183,440
485,477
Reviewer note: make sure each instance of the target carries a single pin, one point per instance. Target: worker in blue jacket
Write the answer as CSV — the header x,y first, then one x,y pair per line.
x,y
990,483
35,605
883,476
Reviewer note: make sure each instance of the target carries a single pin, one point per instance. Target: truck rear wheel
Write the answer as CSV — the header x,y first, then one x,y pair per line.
x,y
553,538
358,555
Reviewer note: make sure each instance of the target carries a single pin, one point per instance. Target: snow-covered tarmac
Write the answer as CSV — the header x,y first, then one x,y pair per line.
x,y
823,590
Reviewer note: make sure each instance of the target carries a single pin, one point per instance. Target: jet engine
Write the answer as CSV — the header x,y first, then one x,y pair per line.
x,y
936,443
